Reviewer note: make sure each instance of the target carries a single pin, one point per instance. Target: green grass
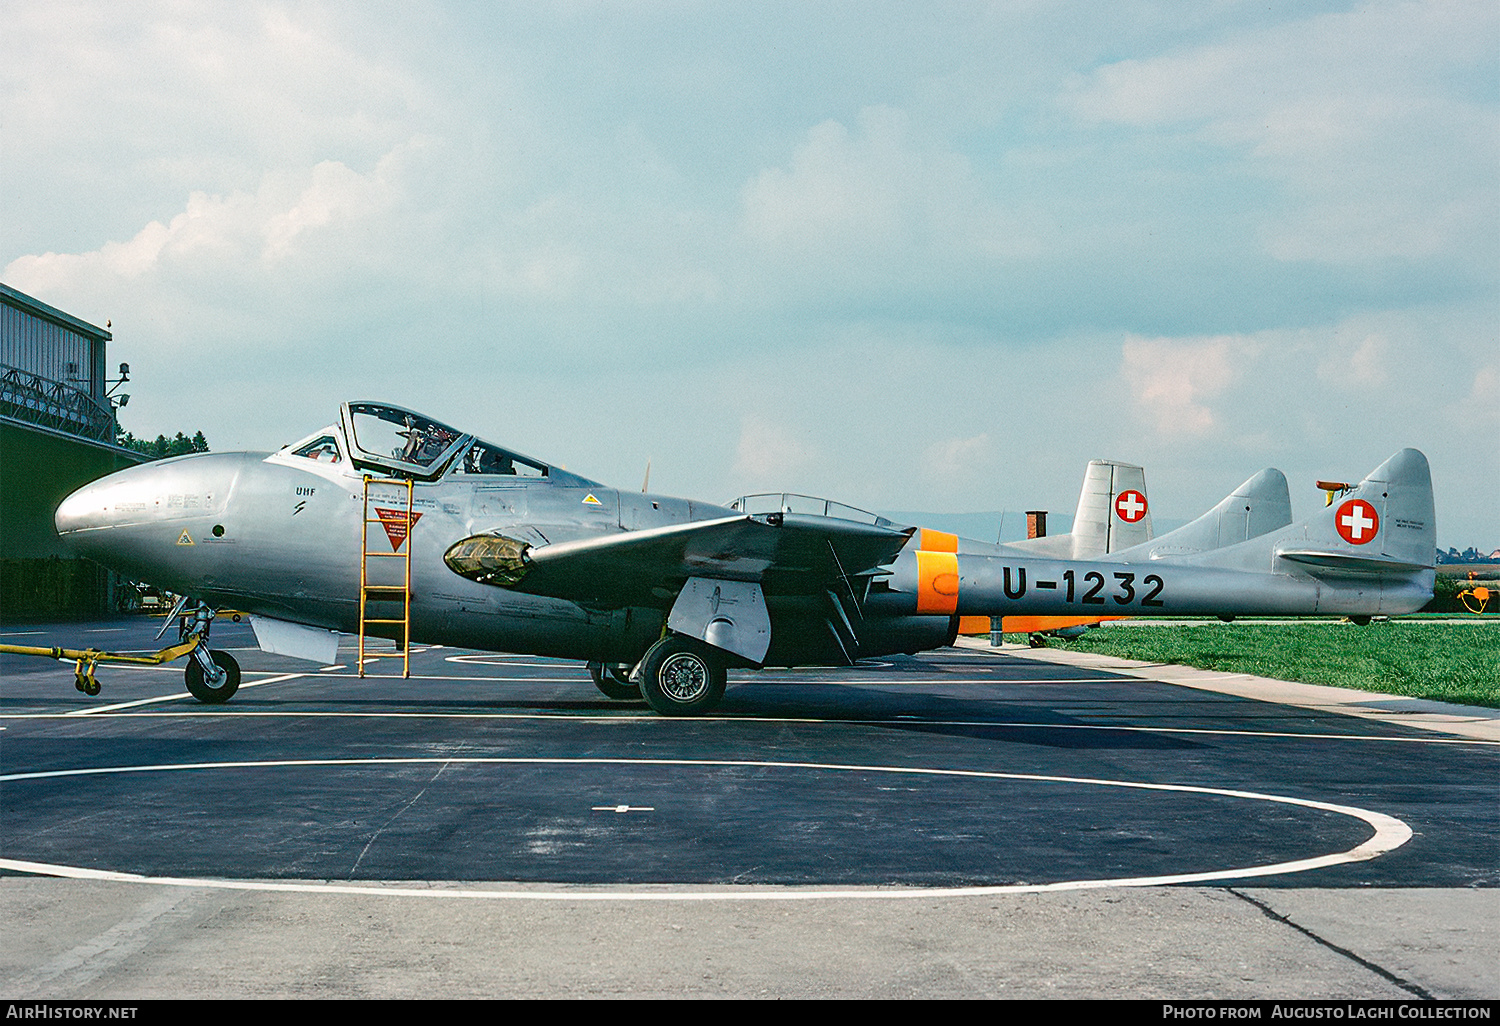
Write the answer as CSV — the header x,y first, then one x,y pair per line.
x,y
1445,662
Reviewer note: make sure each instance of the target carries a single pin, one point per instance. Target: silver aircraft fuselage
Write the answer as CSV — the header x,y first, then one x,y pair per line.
x,y
281,537
600,575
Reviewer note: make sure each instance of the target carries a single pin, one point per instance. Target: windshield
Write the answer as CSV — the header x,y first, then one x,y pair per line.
x,y
324,449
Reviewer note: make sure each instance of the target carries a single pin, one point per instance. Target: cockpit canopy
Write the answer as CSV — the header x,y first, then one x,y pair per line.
x,y
390,440
397,439
810,505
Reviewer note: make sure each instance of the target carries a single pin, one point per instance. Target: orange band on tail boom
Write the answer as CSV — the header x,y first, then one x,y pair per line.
x,y
1037,624
937,582
937,541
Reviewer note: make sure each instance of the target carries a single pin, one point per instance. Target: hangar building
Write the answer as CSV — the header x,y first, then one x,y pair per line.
x,y
57,432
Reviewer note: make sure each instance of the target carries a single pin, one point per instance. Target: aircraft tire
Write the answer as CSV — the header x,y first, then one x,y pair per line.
x,y
681,677
613,682
200,688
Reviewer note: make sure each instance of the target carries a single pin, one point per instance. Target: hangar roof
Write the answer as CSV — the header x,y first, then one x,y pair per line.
x,y
35,307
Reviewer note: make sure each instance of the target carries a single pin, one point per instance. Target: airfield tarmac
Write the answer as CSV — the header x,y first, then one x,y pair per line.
x,y
963,823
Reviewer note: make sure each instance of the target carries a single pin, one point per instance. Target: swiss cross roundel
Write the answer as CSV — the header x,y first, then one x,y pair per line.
x,y
1357,522
1130,505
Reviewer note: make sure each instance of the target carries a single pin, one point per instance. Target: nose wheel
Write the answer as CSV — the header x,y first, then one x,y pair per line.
x,y
215,684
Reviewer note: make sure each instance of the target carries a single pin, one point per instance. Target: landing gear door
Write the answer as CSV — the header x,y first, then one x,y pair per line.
x,y
727,614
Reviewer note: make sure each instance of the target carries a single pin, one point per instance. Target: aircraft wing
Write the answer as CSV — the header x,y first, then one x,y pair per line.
x,y
786,553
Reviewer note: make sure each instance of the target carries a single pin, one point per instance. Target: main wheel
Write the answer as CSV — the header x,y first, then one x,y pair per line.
x,y
202,690
682,677
614,682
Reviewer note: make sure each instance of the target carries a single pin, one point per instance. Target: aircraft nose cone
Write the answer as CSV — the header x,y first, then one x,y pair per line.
x,y
81,510
130,520
137,497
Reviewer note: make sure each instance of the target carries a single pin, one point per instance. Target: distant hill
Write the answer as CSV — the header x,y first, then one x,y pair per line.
x,y
984,526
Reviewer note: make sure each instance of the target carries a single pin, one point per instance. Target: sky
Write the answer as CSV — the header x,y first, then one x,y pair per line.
x,y
911,257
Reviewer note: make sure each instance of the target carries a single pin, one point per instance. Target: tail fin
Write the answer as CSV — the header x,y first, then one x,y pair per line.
x,y
1259,506
1113,514
1386,524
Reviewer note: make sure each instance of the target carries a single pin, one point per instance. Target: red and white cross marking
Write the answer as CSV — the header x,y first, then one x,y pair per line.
x,y
1130,505
1357,522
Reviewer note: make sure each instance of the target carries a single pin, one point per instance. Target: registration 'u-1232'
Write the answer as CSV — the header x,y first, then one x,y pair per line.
x,y
388,523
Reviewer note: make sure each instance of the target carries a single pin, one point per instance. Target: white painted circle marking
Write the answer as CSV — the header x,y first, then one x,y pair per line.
x,y
1390,833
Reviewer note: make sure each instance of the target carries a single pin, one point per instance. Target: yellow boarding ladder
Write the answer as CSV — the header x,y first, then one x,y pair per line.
x,y
385,592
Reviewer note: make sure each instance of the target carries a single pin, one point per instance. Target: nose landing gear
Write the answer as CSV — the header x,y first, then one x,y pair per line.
x,y
212,676
218,682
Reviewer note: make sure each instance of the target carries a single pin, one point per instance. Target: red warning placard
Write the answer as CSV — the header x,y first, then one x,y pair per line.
x,y
394,522
1357,522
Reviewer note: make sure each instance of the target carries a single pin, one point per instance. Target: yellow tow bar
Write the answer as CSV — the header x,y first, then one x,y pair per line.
x,y
85,660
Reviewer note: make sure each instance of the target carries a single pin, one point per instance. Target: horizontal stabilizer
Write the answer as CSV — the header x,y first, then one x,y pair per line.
x,y
1350,564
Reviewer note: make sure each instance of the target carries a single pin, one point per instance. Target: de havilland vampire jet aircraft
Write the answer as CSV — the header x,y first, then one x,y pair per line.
x,y
392,524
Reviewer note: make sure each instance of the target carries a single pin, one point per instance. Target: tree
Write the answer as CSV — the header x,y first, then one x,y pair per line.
x,y
163,446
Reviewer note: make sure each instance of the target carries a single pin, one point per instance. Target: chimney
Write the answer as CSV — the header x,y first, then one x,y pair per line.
x,y
1036,523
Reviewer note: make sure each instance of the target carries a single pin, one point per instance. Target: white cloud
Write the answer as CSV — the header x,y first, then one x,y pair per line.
x,y
826,250
1356,364
333,192
839,190
958,459
154,78
1173,382
225,237
1363,118
867,195
769,452
1480,409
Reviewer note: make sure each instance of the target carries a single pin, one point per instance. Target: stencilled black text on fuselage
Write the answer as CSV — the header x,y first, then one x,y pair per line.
x,y
1092,588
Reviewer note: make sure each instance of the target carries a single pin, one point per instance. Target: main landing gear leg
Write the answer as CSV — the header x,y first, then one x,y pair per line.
x,y
682,677
613,680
